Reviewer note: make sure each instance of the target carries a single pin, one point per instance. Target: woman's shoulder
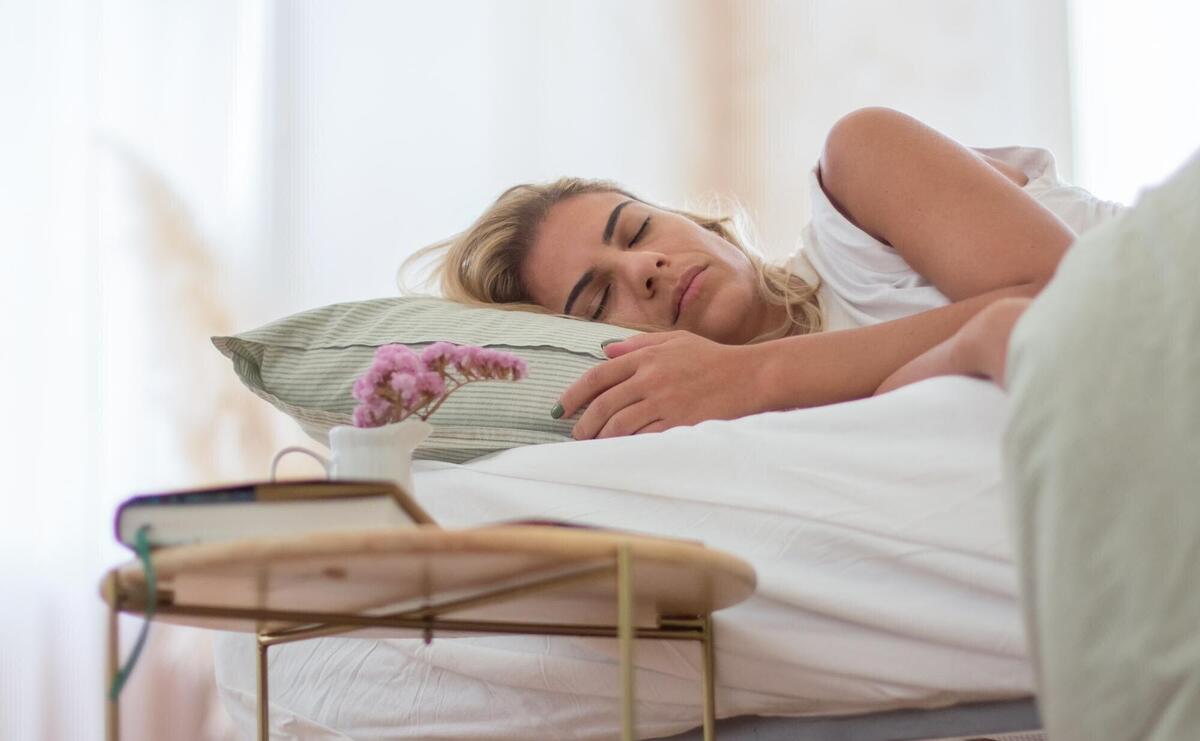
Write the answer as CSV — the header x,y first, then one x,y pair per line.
x,y
1031,168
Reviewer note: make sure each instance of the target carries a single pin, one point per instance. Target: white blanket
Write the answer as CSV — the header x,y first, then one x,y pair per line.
x,y
877,529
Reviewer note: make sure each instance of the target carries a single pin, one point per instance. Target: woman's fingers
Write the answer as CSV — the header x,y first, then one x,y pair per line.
x,y
616,406
656,426
628,421
593,382
656,388
628,345
618,368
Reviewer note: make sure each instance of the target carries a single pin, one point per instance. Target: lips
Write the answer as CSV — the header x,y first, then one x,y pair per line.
x,y
685,281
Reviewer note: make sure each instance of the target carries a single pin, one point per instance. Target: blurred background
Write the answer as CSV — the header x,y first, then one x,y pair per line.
x,y
171,170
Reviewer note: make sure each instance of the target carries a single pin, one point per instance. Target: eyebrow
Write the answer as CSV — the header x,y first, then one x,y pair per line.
x,y
589,275
582,284
612,220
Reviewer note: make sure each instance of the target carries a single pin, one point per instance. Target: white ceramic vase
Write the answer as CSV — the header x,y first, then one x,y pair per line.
x,y
377,452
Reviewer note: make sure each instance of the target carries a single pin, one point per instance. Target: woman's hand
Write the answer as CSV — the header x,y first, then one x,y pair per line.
x,y
656,381
979,348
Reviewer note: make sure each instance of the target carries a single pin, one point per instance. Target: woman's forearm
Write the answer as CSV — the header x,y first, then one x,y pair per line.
x,y
979,348
828,367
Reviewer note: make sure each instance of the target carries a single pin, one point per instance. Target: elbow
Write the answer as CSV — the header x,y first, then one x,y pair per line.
x,y
1027,290
1031,289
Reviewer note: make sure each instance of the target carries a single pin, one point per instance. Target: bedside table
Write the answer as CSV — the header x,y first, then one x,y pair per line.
x,y
540,580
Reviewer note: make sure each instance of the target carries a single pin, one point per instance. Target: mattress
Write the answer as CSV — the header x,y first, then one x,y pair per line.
x,y
885,581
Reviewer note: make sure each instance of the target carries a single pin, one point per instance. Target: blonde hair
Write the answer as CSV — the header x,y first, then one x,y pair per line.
x,y
481,266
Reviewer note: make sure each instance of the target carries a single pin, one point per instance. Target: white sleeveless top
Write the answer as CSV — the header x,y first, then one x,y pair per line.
x,y
864,281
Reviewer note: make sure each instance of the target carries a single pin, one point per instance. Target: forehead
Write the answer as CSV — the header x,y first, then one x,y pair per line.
x,y
579,220
565,244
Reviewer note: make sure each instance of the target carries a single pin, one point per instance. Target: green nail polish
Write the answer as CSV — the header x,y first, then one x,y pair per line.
x,y
606,343
557,411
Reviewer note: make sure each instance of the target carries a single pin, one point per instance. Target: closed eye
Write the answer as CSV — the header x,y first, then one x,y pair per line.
x,y
603,302
604,297
641,230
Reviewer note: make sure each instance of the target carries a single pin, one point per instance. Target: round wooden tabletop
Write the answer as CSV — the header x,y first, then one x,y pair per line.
x,y
384,570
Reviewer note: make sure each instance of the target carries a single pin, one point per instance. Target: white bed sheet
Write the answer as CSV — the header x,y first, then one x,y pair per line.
x,y
885,580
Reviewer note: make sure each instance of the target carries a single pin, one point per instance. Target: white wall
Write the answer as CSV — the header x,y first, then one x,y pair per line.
x,y
1135,91
396,123
985,73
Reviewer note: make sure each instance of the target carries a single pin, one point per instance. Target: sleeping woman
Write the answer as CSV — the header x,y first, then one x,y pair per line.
x,y
920,256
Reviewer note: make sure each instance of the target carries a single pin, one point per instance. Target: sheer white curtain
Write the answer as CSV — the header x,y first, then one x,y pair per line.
x,y
130,197
49,544
1136,100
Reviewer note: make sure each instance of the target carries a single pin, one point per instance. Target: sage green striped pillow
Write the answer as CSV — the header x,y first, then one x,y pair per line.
x,y
305,365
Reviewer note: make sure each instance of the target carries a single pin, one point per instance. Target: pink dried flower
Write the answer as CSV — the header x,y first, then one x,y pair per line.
x,y
400,383
404,384
398,358
363,418
372,413
438,355
431,383
467,358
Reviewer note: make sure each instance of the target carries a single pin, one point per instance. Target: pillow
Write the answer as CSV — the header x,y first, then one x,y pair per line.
x,y
306,364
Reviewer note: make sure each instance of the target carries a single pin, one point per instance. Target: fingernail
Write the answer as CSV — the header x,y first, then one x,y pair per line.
x,y
606,343
557,411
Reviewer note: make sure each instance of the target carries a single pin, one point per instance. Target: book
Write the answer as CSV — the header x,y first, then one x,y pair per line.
x,y
265,508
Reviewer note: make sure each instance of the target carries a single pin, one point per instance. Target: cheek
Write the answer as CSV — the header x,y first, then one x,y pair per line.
x,y
740,283
730,300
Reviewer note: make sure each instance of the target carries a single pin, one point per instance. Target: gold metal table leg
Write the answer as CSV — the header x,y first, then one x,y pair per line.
x,y
264,699
625,639
112,729
313,624
710,700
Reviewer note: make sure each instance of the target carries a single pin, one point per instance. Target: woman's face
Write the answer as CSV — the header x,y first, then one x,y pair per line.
x,y
605,257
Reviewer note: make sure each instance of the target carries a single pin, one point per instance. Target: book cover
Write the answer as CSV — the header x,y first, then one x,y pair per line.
x,y
263,508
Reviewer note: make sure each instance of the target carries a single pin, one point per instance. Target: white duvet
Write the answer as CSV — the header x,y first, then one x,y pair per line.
x,y
885,580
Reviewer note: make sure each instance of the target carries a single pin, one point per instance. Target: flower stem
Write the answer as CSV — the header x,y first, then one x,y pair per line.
x,y
460,384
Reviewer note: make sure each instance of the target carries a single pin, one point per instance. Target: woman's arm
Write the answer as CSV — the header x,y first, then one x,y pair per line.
x,y
979,349
811,370
659,380
958,221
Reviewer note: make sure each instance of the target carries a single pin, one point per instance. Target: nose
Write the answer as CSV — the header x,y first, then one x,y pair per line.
x,y
644,272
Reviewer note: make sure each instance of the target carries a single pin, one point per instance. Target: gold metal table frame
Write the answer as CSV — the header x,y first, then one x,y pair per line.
x,y
286,626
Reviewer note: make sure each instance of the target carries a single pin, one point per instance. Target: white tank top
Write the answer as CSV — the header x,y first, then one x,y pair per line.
x,y
864,281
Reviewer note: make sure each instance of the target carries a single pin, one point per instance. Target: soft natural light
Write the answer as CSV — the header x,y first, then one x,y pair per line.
x,y
172,170
1135,94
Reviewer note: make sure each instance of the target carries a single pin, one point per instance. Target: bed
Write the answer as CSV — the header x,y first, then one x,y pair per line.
x,y
886,605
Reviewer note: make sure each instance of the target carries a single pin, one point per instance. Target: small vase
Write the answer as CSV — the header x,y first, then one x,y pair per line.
x,y
384,452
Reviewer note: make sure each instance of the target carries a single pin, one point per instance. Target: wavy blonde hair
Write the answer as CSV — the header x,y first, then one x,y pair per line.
x,y
481,266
